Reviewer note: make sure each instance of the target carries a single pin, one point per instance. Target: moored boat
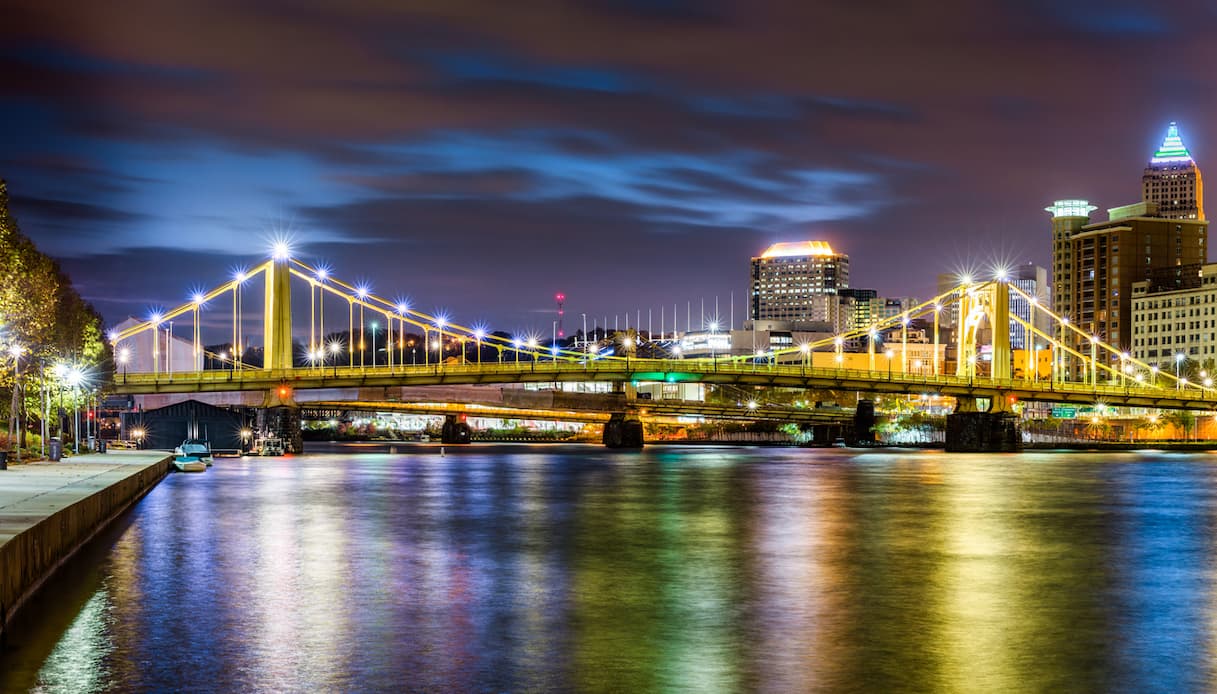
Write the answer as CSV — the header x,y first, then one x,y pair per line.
x,y
189,464
194,449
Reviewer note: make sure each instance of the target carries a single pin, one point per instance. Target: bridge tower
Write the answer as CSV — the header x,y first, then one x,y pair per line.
x,y
992,302
277,318
969,430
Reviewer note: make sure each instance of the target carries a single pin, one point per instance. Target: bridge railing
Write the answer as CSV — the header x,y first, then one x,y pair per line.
x,y
676,370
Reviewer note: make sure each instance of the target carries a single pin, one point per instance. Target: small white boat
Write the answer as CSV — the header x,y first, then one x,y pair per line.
x,y
187,464
194,450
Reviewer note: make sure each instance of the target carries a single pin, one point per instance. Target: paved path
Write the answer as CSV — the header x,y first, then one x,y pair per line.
x,y
31,493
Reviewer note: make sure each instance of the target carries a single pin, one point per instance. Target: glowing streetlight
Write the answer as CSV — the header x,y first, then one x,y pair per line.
x,y
375,326
75,378
889,354
280,250
1179,357
335,349
123,356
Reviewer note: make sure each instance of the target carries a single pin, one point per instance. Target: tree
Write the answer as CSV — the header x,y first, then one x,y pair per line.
x,y
42,313
1181,420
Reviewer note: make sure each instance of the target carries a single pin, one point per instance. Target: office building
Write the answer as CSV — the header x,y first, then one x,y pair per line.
x,y
1098,263
1032,280
1157,240
857,307
1175,313
799,282
1172,180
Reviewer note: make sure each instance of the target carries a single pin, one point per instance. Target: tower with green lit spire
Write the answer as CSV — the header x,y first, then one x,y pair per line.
x,y
1172,180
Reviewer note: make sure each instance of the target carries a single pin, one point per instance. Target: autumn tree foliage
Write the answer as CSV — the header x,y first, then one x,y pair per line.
x,y
42,314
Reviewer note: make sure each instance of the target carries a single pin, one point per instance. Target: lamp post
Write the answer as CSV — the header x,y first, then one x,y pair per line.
x,y
1179,357
889,354
124,355
375,325
335,350
937,310
74,379
15,425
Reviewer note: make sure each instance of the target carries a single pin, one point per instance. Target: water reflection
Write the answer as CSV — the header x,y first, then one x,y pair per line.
x,y
700,569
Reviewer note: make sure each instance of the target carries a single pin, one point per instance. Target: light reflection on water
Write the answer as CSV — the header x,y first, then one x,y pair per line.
x,y
694,569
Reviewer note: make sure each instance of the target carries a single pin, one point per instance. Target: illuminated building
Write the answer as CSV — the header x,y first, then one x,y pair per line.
x,y
1174,312
1033,281
1172,180
1068,218
1096,264
798,282
858,306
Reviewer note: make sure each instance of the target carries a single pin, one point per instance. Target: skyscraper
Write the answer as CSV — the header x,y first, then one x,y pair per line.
x,y
1068,218
798,282
1172,180
1033,281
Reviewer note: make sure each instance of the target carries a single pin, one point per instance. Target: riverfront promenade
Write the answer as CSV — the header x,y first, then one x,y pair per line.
x,y
48,510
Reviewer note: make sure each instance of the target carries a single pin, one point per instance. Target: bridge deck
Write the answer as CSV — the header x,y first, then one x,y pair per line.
x,y
672,371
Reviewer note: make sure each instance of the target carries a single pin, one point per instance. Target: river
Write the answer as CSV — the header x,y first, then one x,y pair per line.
x,y
575,568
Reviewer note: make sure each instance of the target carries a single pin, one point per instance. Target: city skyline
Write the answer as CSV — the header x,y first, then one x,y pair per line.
x,y
447,153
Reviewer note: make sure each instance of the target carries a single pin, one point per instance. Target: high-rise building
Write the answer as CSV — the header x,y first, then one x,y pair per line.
x,y
858,307
1172,180
1068,218
1096,264
798,282
1033,281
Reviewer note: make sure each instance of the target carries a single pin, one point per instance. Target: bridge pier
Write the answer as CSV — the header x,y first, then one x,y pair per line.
x,y
864,424
455,430
623,430
283,423
972,431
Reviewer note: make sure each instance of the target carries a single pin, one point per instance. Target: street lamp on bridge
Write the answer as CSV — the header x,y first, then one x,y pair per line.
x,y
335,350
374,326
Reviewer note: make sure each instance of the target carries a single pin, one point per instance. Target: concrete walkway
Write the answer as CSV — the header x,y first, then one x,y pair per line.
x,y
48,510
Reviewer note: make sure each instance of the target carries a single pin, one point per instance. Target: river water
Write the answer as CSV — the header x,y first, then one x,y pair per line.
x,y
702,569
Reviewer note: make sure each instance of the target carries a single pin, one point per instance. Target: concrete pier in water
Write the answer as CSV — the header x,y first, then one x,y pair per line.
x,y
49,510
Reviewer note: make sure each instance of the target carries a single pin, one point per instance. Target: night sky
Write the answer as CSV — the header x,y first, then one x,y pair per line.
x,y
478,157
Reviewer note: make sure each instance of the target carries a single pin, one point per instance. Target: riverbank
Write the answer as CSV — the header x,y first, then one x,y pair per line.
x,y
49,510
